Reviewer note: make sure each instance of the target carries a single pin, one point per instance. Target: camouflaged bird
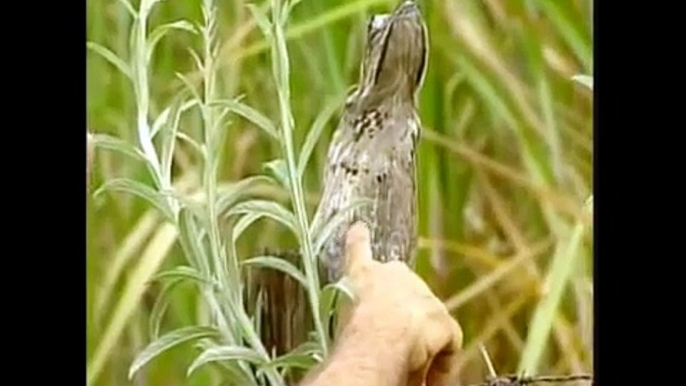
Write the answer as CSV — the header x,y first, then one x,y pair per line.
x,y
373,152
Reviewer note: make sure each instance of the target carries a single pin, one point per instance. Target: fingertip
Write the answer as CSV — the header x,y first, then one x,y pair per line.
x,y
358,249
358,233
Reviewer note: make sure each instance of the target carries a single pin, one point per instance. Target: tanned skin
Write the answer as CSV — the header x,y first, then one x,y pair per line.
x,y
396,332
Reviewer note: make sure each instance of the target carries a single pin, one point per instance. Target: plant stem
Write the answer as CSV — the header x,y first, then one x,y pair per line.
x,y
281,76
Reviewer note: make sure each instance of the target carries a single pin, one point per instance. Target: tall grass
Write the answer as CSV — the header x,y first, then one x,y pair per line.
x,y
211,122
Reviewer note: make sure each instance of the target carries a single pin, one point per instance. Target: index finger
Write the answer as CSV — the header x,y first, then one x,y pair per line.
x,y
358,248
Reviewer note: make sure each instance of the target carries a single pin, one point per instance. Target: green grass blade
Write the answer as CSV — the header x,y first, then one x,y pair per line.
x,y
558,276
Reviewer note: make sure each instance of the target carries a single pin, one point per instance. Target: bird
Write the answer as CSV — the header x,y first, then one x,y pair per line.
x,y
373,152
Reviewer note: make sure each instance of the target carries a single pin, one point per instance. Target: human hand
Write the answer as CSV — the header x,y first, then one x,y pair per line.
x,y
395,309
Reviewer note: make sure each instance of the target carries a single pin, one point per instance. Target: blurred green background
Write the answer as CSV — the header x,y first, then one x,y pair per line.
x,y
505,167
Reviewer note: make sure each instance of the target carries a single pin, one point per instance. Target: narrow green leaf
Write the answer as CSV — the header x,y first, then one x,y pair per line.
x,y
107,142
250,114
190,87
279,170
279,265
315,133
158,33
262,21
190,238
242,224
288,8
161,119
168,341
139,189
172,127
228,196
301,357
556,281
111,57
486,90
343,286
238,373
328,299
568,30
196,208
225,353
191,142
196,58
147,5
129,7
183,272
268,209
160,307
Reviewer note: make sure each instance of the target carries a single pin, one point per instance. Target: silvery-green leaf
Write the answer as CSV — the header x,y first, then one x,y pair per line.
x,y
168,341
111,57
139,189
250,114
279,170
160,307
228,196
279,265
268,209
225,353
159,32
104,141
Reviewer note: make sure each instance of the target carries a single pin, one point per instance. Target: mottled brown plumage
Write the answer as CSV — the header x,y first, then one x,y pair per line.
x,y
373,152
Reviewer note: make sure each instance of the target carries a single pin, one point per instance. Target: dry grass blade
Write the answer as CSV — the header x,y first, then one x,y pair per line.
x,y
492,327
151,258
487,281
558,200
128,247
472,252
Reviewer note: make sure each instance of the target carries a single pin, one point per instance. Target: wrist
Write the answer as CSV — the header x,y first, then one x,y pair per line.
x,y
373,347
368,351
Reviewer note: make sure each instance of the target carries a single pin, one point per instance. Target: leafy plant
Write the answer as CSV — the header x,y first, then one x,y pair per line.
x,y
214,265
